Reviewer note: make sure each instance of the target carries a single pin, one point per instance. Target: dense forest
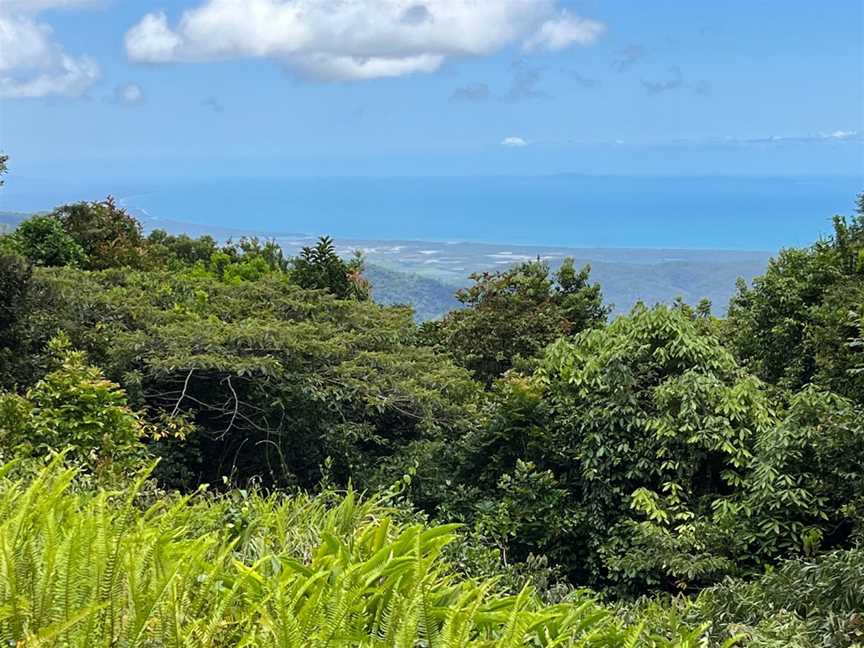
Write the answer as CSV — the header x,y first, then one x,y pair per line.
x,y
207,444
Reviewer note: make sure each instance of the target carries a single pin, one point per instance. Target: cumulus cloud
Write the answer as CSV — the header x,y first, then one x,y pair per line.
x,y
355,39
513,142
563,31
130,94
32,63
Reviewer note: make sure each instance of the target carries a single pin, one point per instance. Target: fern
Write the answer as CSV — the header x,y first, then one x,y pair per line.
x,y
80,568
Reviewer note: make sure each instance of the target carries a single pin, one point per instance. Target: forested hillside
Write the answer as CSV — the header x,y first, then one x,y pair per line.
x,y
207,444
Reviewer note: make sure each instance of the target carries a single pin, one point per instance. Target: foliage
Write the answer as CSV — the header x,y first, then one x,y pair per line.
x,y
76,410
793,326
85,569
641,456
805,484
667,453
275,377
3,160
514,314
812,603
44,241
15,281
109,236
168,251
320,268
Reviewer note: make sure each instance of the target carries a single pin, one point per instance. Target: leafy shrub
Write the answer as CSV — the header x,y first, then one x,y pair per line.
x,y
74,409
802,603
44,241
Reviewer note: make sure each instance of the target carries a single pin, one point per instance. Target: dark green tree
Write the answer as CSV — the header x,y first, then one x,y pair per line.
x,y
274,378
44,241
15,286
167,250
109,235
514,314
794,325
320,268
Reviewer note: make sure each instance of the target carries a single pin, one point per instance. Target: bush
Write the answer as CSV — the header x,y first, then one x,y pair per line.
x,y
76,410
44,241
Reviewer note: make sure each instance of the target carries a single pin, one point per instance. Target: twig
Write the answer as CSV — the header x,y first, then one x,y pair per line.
x,y
183,393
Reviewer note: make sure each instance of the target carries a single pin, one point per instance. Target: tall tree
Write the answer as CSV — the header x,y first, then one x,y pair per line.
x,y
109,235
319,267
514,314
793,326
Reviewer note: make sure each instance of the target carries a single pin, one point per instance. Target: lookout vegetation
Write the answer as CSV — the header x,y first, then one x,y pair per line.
x,y
207,444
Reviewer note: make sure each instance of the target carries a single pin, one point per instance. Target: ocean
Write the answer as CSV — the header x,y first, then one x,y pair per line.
x,y
704,212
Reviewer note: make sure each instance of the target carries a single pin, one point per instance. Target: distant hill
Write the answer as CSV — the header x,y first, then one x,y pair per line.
x,y
623,284
430,298
9,220
626,275
426,274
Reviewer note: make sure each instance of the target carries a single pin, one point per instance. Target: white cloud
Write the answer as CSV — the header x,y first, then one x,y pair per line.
x,y
70,78
32,64
842,135
513,142
354,39
563,31
130,94
834,136
152,41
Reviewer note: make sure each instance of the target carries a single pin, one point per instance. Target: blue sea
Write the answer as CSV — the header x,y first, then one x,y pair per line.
x,y
716,212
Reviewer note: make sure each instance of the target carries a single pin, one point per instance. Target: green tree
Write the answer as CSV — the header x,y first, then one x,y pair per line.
x,y
3,160
16,278
793,326
109,236
275,377
167,250
649,416
44,241
514,314
320,268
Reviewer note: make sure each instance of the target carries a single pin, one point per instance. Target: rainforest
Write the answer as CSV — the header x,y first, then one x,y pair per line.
x,y
211,443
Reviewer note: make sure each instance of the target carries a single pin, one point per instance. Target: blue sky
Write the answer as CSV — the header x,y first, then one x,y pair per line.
x,y
414,87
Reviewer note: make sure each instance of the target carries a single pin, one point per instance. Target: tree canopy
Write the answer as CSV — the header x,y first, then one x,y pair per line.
x,y
511,315
209,443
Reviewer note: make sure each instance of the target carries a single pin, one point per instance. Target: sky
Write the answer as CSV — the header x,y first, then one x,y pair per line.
x,y
431,87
